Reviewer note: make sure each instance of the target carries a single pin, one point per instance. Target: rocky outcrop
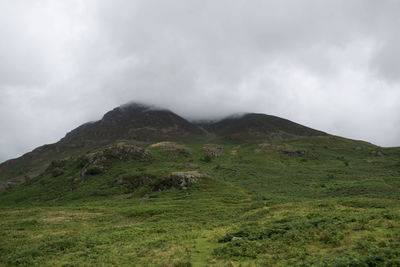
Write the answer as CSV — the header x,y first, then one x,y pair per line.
x,y
185,179
100,161
213,150
172,147
175,180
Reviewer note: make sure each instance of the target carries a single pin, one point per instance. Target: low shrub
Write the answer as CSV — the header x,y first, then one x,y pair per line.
x,y
94,170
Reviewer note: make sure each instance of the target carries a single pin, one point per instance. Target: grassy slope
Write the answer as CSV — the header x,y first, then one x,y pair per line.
x,y
259,207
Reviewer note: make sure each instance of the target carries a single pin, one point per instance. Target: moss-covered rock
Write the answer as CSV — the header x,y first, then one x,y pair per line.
x,y
213,150
172,147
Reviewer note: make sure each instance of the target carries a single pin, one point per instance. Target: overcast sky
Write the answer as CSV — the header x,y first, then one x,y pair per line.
x,y
331,65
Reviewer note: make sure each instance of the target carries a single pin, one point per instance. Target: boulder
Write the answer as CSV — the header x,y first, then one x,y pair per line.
x,y
213,150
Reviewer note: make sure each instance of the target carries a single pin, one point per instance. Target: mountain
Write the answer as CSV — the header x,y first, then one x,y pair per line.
x,y
254,126
132,121
144,186
137,122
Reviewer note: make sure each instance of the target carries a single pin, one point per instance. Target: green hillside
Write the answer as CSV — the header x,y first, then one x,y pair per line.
x,y
313,201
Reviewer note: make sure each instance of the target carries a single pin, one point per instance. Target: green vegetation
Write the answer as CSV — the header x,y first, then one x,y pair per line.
x,y
315,201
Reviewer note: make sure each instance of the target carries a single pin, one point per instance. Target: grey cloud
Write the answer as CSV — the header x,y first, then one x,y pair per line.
x,y
332,65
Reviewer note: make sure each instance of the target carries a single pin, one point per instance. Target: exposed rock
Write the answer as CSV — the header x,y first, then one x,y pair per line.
x,y
176,180
171,146
376,153
235,150
214,150
98,162
126,152
188,174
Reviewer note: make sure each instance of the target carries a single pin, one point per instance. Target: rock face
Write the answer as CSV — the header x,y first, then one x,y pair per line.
x,y
182,180
213,150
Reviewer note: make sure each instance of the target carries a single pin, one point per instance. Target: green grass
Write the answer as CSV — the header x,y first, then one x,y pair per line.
x,y
269,205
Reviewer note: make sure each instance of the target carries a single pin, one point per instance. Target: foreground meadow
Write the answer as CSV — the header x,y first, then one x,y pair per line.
x,y
321,201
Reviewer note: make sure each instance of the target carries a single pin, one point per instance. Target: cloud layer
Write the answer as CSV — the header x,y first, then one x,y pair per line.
x,y
331,65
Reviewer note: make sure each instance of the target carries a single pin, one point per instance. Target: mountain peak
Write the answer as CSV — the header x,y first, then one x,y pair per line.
x,y
130,109
133,121
258,126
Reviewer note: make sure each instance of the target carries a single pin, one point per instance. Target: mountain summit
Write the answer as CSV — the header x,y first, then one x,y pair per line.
x,y
140,122
132,122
